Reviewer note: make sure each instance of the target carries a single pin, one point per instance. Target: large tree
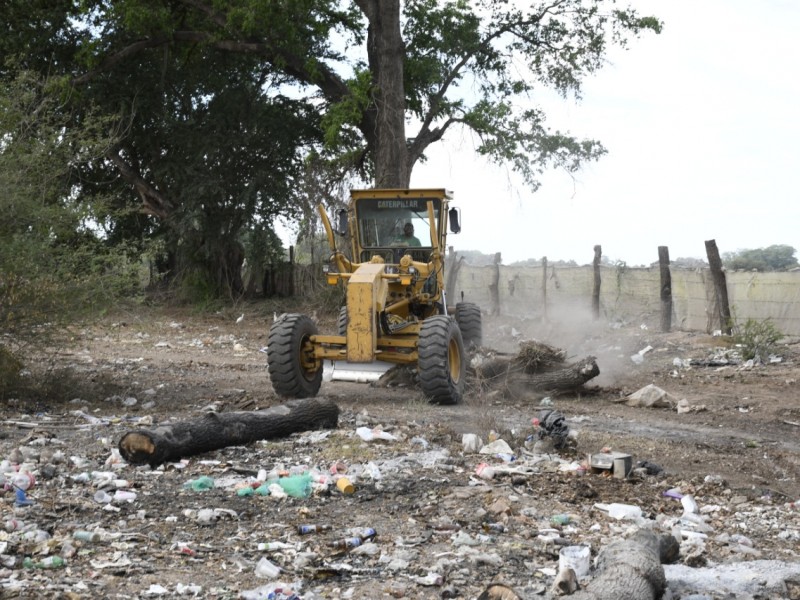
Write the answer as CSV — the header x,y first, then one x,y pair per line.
x,y
222,98
475,64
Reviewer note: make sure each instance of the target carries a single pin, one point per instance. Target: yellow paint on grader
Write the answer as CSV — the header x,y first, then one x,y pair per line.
x,y
396,310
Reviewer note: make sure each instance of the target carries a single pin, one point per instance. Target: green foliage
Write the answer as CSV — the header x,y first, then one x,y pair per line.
x,y
53,267
757,339
779,257
223,102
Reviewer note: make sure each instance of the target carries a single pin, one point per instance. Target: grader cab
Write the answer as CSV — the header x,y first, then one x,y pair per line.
x,y
396,308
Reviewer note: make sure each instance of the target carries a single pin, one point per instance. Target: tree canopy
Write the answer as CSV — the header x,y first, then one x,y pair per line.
x,y
222,105
778,257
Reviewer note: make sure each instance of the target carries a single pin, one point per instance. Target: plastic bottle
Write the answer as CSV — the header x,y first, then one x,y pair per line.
x,y
87,536
50,562
560,520
102,497
306,529
124,496
367,534
272,546
623,511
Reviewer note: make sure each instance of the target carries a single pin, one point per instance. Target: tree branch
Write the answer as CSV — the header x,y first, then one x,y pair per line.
x,y
153,202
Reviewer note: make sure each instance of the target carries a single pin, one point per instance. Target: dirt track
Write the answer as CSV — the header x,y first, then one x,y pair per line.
x,y
738,450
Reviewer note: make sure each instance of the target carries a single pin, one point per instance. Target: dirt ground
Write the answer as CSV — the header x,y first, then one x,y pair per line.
x,y
442,532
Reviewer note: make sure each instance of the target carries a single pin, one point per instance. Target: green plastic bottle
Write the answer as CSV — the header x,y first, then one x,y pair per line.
x,y
51,562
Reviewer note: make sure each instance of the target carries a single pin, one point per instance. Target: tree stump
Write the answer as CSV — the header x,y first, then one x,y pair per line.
x,y
212,431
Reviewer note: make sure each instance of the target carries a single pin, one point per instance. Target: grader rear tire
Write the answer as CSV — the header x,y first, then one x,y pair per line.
x,y
291,370
442,361
468,317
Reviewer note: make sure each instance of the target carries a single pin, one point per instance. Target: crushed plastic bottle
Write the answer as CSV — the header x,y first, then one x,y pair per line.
x,y
200,484
87,536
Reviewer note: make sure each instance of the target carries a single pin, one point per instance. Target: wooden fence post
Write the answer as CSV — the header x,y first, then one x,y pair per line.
x,y
494,287
598,252
666,288
720,287
291,271
544,288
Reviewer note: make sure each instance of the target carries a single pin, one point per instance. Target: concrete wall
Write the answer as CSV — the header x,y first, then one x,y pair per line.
x,y
632,295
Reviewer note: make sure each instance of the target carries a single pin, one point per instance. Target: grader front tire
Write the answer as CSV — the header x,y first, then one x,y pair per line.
x,y
442,361
291,368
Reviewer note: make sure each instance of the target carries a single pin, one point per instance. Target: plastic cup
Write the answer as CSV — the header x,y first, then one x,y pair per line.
x,y
344,485
575,558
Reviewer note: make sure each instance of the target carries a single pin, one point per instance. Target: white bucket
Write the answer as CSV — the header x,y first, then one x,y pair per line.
x,y
576,558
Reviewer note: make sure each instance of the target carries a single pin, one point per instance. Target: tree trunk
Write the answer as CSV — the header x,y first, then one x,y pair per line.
x,y
228,272
172,441
720,286
500,373
631,568
385,127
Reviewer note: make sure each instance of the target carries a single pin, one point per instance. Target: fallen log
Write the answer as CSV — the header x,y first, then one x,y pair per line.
x,y
631,568
498,373
172,441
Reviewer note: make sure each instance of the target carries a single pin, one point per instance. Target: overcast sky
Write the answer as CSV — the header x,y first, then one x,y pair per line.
x,y
702,129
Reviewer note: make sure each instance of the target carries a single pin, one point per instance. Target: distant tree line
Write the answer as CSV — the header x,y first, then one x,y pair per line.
x,y
778,257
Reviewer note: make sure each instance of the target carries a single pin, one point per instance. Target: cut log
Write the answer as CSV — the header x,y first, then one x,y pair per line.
x,y
631,568
499,373
212,431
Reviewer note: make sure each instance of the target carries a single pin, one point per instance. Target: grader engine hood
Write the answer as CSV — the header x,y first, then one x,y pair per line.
x,y
366,298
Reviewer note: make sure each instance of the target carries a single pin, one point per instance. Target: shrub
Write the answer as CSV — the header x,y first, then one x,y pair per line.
x,y
757,339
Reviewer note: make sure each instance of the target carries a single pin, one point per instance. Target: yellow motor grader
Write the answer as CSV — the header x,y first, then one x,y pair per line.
x,y
396,310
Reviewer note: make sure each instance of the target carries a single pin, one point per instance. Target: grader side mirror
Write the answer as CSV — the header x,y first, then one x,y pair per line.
x,y
341,221
455,219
